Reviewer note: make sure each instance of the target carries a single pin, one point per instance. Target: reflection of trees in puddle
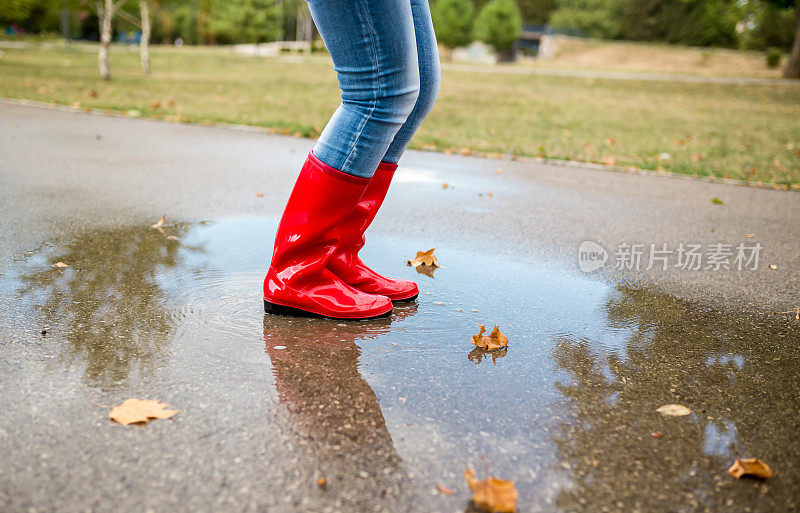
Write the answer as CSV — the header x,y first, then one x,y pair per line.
x,y
108,305
742,381
338,423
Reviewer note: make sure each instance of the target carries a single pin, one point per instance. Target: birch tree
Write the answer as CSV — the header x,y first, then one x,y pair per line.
x,y
106,9
144,42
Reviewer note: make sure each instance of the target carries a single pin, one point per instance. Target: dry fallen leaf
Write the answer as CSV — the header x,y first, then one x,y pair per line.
x,y
160,222
444,490
753,467
424,258
492,494
139,411
60,264
674,410
494,341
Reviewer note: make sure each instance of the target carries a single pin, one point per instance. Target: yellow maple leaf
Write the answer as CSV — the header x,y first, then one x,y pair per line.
x,y
750,467
134,411
424,258
494,341
492,494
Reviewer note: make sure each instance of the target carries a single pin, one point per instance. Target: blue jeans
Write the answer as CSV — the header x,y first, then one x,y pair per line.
x,y
387,62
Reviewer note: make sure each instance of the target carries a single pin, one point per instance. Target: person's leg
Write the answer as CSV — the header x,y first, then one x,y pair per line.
x,y
346,263
373,47
430,78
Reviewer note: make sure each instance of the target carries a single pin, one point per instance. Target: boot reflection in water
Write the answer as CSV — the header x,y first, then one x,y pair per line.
x,y
389,84
337,423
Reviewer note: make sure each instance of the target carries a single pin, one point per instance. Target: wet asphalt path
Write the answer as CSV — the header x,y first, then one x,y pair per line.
x,y
384,410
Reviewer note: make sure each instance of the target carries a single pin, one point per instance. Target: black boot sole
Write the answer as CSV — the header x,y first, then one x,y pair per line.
x,y
406,300
276,309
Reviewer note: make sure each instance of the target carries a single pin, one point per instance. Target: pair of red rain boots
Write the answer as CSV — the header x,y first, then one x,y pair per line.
x,y
315,269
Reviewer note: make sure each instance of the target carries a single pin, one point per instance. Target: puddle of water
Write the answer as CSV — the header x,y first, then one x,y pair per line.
x,y
387,409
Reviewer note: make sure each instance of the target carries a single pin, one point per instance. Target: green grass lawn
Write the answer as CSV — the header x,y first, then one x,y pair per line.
x,y
746,132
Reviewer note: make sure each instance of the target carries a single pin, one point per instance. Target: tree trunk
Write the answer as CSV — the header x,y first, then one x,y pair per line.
x,y
64,19
792,69
107,13
144,42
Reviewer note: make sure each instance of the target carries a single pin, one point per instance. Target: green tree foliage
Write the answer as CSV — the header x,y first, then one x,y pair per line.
x,y
689,22
597,18
499,25
12,11
452,20
770,24
251,21
184,24
536,11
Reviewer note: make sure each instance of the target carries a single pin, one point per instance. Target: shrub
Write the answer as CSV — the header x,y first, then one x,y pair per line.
x,y
774,57
499,25
452,20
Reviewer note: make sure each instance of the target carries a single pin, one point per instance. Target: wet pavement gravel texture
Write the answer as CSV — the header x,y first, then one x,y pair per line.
x,y
383,410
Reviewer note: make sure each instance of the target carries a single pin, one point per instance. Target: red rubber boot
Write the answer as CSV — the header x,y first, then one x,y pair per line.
x,y
298,281
345,262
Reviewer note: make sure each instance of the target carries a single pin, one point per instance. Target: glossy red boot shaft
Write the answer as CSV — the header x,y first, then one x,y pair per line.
x,y
298,281
345,262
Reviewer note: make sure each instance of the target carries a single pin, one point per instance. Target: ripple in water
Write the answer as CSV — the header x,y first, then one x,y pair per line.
x,y
229,305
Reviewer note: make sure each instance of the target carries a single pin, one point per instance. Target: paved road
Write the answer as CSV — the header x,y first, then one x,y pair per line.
x,y
384,411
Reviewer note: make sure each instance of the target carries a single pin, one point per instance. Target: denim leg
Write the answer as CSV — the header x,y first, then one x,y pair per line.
x,y
430,78
374,51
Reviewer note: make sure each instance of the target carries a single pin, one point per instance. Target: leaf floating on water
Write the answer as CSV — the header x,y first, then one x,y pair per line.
x,y
134,411
674,410
752,467
496,340
160,222
492,494
424,258
60,265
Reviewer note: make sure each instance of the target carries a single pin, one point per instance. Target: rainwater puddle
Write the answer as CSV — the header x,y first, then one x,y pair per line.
x,y
567,411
